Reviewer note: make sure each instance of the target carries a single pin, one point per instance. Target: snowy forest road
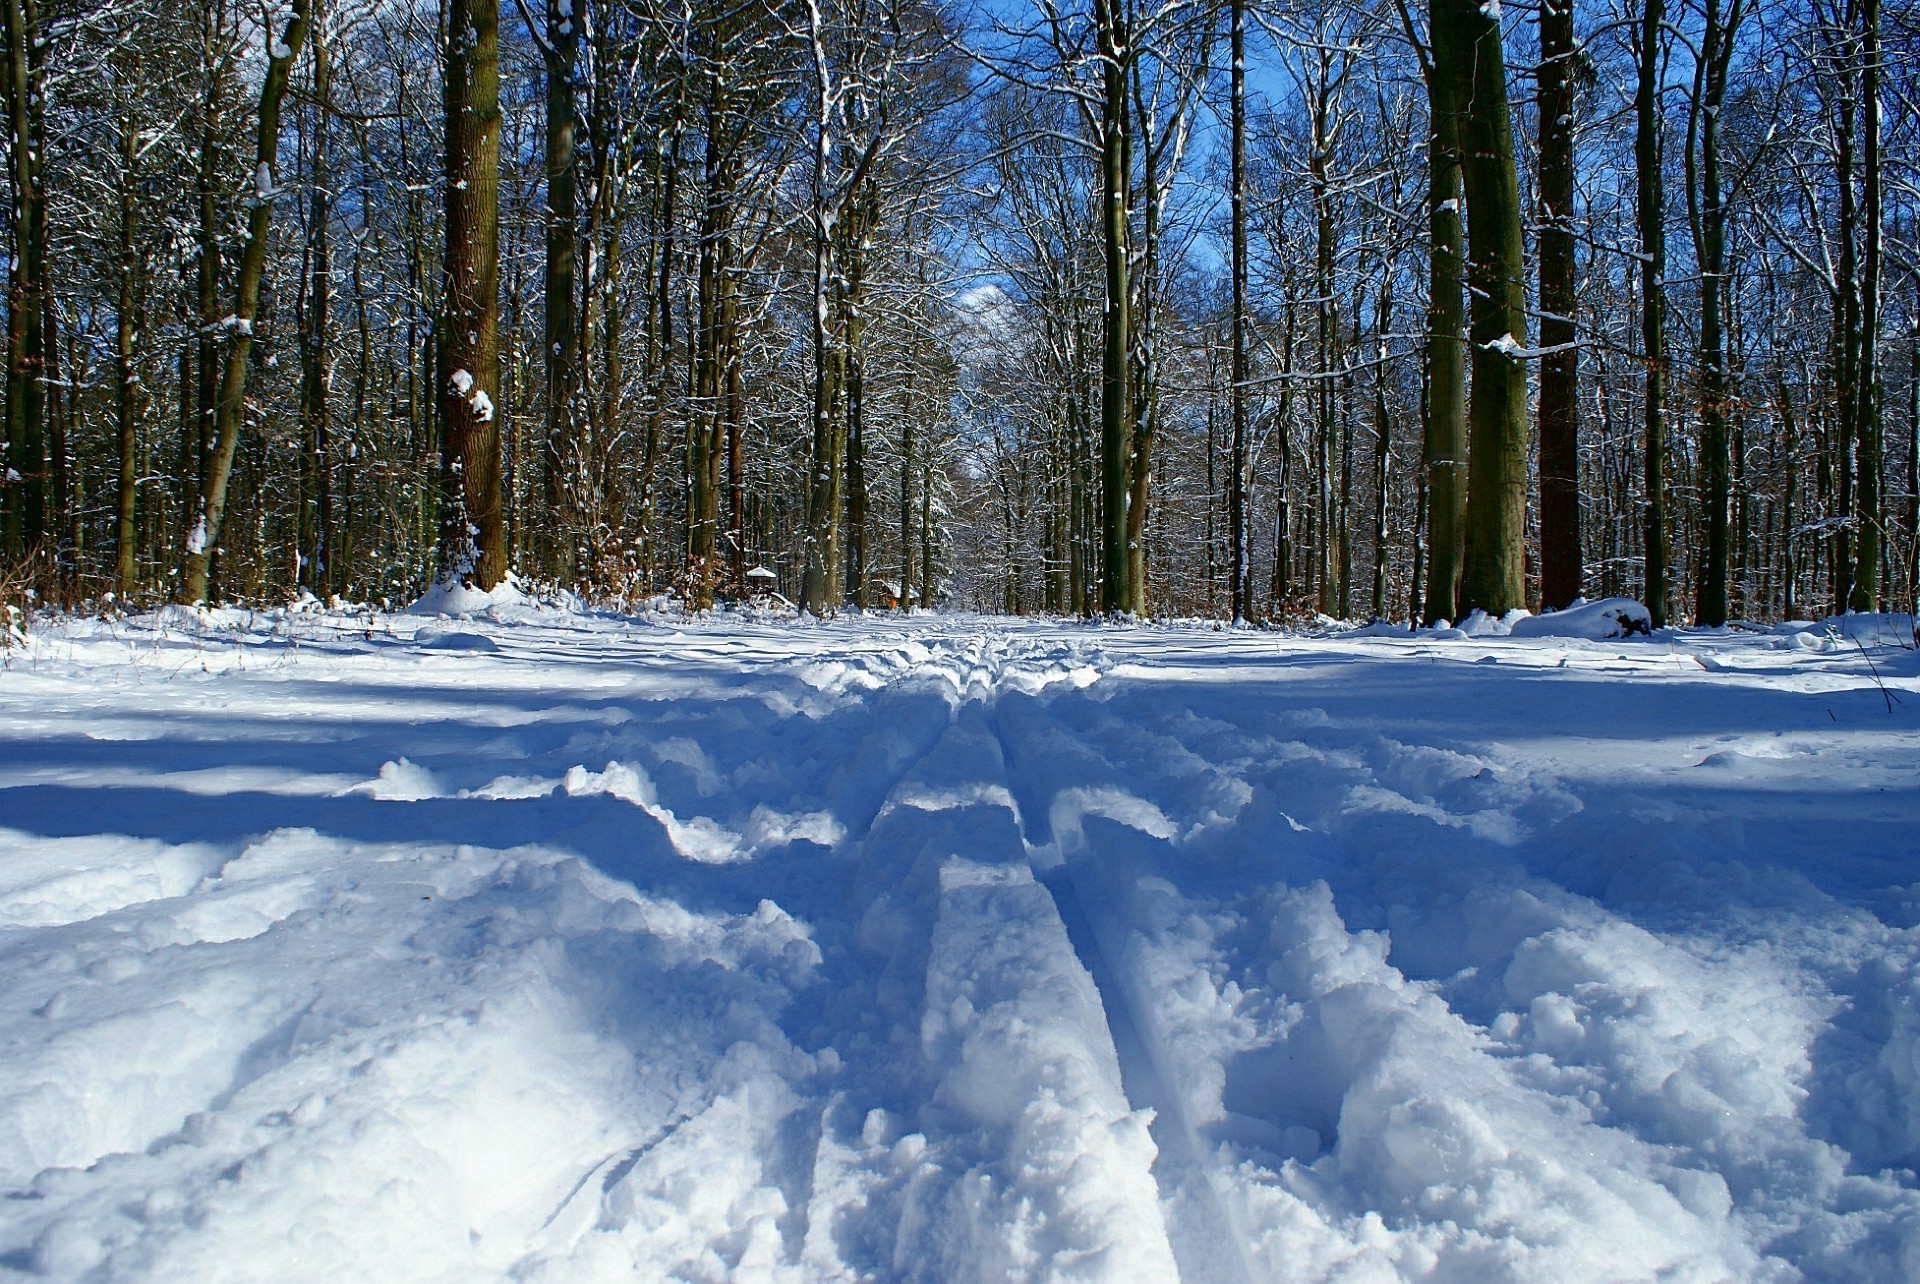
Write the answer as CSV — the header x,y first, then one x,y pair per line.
x,y
548,945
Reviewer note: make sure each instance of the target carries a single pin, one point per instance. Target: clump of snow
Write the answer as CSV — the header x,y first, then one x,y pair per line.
x,y
453,598
1479,624
1610,617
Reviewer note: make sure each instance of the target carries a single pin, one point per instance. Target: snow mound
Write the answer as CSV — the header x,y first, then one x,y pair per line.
x,y
1610,617
452,598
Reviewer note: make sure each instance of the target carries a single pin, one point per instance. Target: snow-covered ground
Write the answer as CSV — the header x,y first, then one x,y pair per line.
x,y
551,946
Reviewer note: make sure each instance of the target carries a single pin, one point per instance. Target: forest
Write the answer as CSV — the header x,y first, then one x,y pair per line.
x,y
1251,309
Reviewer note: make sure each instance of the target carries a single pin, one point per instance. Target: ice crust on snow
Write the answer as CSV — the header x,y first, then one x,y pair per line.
x,y
502,939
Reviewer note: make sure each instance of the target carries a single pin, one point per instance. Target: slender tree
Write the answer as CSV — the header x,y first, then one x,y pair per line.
x,y
1560,568
204,538
1651,213
473,545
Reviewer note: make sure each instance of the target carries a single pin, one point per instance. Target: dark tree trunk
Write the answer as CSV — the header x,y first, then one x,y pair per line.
x,y
473,548
1653,313
1868,506
1560,566
1239,584
23,476
1446,392
562,352
1707,203
1116,384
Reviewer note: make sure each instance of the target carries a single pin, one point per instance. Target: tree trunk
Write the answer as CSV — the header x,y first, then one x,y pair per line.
x,y
24,478
473,548
1651,212
1466,47
562,353
315,357
1561,578
1868,508
1239,584
1446,392
126,368
1116,385
1707,203
203,541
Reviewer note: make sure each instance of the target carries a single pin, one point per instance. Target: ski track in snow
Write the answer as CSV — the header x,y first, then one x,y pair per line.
x,y
554,946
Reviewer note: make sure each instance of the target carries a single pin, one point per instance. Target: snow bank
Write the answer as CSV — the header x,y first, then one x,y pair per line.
x,y
1610,617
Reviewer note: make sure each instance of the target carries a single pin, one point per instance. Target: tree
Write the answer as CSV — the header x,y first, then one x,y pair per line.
x,y
473,544
1560,571
1467,54
1707,211
25,477
204,538
1651,210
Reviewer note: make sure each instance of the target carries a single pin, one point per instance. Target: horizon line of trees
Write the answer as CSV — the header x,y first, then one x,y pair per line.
x,y
1250,308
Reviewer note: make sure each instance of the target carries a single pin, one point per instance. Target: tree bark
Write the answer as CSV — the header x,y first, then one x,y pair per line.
x,y
23,476
126,368
1561,579
1869,514
1467,48
1651,212
1116,385
562,353
1707,204
473,548
1446,392
316,360
1239,584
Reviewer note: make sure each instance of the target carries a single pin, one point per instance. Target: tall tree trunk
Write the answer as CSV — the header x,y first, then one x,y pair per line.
x,y
215,68
1466,47
1707,203
1116,384
1146,365
126,367
1868,508
24,479
824,496
1322,514
1446,391
1560,567
1651,213
1382,448
1239,572
229,411
473,548
561,51
316,359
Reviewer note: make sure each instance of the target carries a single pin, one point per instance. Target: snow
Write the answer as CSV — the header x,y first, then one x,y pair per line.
x,y
1611,617
502,939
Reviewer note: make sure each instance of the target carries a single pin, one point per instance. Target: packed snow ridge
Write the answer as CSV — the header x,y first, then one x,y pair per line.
x,y
514,941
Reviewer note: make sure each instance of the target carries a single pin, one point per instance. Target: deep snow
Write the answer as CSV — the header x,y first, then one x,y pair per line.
x,y
546,945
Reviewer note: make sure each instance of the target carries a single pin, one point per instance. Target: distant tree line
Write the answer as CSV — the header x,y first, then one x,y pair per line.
x,y
1250,308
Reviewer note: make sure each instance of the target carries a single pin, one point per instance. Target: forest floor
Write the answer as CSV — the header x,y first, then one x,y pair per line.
x,y
551,945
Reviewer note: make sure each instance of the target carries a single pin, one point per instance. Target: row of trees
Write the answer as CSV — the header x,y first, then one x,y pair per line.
x,y
1158,306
